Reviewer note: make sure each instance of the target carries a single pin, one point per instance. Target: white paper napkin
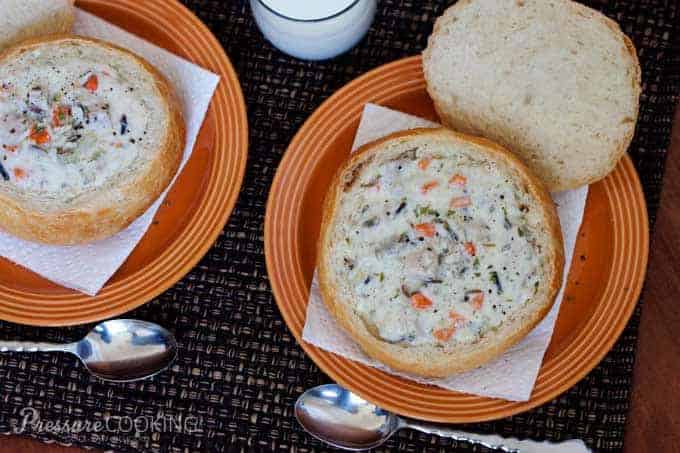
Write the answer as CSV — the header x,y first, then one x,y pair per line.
x,y
88,267
511,376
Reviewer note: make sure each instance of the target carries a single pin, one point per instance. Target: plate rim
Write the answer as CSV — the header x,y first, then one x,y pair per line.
x,y
228,108
322,358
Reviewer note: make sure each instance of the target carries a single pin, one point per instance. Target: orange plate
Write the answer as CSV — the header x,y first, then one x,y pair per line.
x,y
195,209
604,282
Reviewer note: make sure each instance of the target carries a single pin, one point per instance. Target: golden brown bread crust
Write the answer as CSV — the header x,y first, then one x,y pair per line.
x,y
427,361
105,212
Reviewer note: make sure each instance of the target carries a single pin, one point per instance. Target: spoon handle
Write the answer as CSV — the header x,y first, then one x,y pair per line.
x,y
28,346
504,444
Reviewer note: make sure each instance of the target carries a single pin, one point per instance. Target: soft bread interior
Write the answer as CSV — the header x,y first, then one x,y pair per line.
x,y
24,19
552,80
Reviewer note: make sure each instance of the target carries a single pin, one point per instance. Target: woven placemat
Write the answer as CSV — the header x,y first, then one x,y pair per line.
x,y
239,370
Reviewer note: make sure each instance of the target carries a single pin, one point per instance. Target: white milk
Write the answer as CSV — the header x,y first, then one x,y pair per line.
x,y
314,30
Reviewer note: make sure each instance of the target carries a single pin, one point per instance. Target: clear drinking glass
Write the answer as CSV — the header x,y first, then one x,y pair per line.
x,y
314,30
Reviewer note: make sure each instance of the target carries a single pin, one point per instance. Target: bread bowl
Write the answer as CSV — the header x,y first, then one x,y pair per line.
x,y
438,251
90,136
552,80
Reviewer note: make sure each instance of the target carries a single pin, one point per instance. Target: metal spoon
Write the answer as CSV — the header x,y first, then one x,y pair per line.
x,y
119,350
342,419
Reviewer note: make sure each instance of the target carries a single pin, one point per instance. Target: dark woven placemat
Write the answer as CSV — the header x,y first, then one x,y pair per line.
x,y
239,370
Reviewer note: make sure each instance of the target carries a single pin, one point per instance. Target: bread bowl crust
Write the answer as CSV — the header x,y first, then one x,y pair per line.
x,y
615,153
100,213
428,361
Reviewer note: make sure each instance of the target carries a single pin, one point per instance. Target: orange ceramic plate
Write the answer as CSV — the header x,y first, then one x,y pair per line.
x,y
604,281
195,209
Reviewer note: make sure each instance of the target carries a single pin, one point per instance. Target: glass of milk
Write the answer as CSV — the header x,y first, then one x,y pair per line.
x,y
314,29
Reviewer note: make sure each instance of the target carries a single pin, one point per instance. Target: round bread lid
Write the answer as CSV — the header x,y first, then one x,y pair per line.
x,y
305,10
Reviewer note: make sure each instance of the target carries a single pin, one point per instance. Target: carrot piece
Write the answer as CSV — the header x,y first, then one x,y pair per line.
x,y
444,334
426,229
19,173
428,186
424,163
458,180
420,302
92,83
59,115
460,202
470,248
457,318
477,300
39,135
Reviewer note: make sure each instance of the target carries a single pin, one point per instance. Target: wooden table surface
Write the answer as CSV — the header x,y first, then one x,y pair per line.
x,y
654,419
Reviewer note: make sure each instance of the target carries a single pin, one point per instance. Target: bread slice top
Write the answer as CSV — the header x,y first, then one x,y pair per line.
x,y
80,122
438,250
552,80
25,19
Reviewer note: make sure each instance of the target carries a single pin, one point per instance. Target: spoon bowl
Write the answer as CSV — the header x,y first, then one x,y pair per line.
x,y
342,419
124,350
